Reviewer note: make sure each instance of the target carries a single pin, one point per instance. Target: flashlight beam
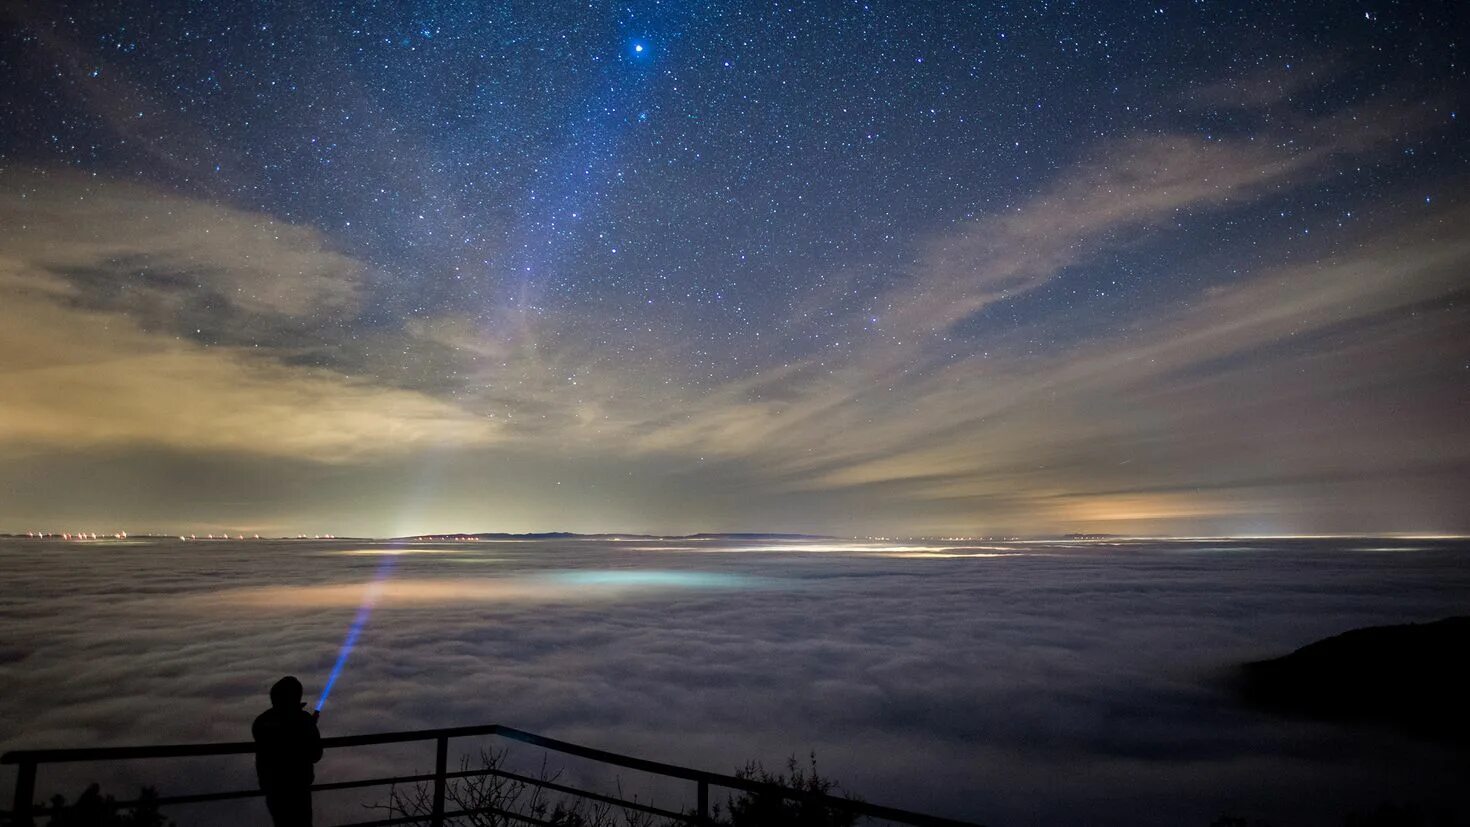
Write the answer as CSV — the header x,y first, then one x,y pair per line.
x,y
363,613
369,599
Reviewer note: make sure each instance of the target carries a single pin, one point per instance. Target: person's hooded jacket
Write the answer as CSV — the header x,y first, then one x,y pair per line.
x,y
287,742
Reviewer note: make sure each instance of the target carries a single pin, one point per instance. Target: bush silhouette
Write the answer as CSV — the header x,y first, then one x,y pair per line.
x,y
93,809
493,800
774,809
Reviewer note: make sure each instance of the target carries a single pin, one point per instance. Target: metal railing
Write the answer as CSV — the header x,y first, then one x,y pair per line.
x,y
25,809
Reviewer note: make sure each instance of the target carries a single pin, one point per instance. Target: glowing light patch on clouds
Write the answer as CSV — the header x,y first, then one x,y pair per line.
x,y
844,548
394,552
554,587
642,578
941,555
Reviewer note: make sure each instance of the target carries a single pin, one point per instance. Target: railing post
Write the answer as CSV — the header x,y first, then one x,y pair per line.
x,y
703,801
441,768
25,794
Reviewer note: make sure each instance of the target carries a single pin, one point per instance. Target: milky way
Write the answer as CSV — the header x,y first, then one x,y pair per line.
x,y
837,267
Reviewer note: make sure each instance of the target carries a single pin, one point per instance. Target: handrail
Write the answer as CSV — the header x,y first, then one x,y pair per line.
x,y
68,755
28,760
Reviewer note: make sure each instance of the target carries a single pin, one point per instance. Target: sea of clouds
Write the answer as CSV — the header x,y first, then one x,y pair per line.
x,y
1007,683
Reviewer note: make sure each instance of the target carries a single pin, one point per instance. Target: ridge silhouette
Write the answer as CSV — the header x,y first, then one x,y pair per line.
x,y
1410,675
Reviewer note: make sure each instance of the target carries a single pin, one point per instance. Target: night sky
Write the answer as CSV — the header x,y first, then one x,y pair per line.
x,y
858,268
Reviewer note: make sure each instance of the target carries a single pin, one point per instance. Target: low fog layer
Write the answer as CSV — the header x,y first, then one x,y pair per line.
x,y
1005,683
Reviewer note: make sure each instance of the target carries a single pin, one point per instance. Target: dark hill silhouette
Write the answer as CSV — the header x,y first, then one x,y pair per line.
x,y
1413,676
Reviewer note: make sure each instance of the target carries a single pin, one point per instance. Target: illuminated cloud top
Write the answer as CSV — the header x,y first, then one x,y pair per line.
x,y
859,269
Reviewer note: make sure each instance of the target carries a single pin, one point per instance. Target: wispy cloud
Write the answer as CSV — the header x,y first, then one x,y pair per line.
x,y
75,380
103,286
1278,84
137,249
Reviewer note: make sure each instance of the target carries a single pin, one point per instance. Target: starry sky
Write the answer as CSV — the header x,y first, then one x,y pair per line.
x,y
839,267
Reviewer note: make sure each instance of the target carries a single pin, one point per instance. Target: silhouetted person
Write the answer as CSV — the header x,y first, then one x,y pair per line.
x,y
286,745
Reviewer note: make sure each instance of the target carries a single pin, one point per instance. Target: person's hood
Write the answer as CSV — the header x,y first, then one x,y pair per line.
x,y
286,694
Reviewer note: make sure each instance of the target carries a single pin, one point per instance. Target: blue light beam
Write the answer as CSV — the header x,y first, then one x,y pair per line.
x,y
369,599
